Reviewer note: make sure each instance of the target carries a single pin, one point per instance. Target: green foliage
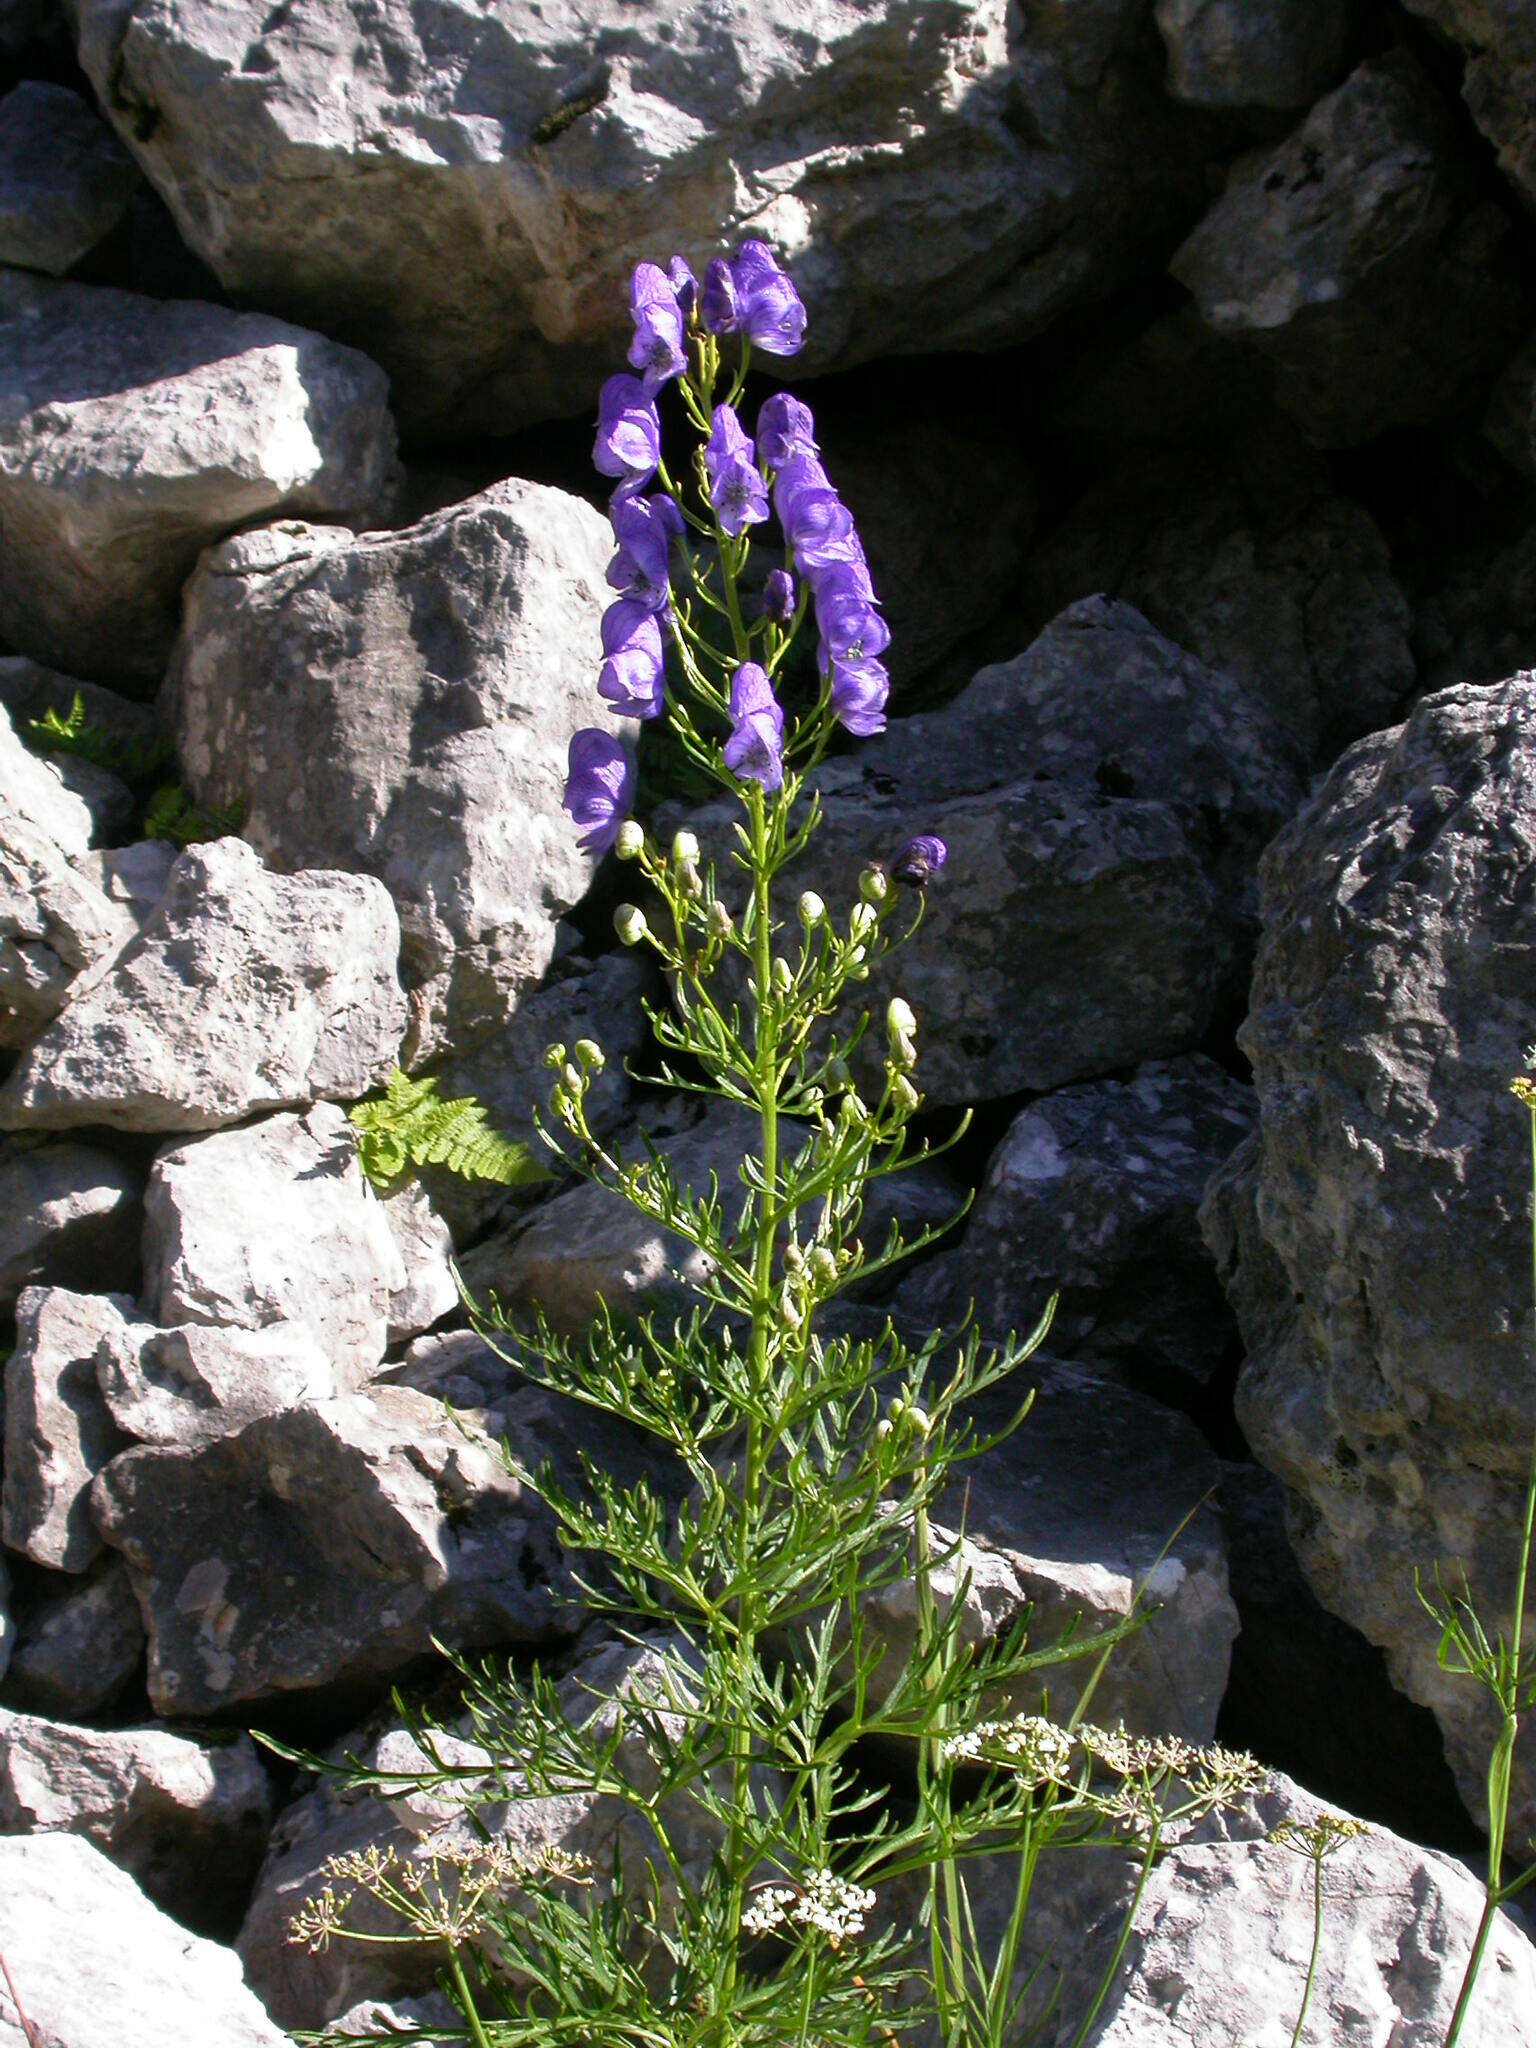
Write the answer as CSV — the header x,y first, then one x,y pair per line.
x,y
171,814
411,1125
136,761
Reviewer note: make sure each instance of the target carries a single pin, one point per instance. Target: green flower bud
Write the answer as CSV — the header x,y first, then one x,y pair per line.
x,y
590,1053
899,1017
904,1095
794,1258
718,920
838,1075
685,847
812,909
873,886
573,1078
781,976
630,843
554,1055
629,923
861,923
823,1264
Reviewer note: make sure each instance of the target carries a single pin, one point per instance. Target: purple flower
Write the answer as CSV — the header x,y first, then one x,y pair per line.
x,y
755,749
920,858
779,597
632,674
645,529
785,429
718,306
819,529
769,310
859,691
850,626
628,441
657,350
800,474
736,491
685,286
599,787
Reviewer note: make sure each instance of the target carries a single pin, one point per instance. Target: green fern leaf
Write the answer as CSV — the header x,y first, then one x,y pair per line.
x,y
410,1124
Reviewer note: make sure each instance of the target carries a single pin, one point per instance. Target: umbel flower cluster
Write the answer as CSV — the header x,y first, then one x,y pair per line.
x,y
750,1887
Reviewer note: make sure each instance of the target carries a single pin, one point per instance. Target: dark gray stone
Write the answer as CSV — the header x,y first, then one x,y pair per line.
x,y
65,180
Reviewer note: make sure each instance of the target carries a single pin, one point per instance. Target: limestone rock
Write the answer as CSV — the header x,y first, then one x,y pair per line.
x,y
1255,53
1258,567
133,432
32,794
54,924
935,176
80,1643
447,665
1094,1195
1498,39
130,730
194,1382
7,1625
64,180
273,1224
58,1432
187,1819
1374,1237
98,1966
69,1217
244,991
425,1246
369,1527
1359,259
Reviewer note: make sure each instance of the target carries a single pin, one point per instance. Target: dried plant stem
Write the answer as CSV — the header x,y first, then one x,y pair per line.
x,y
25,2024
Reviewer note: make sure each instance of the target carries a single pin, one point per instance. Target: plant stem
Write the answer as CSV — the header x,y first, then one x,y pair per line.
x,y
1317,1942
477,2032
1126,1925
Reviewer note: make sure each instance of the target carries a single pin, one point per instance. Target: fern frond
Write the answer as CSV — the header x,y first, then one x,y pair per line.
x,y
71,732
171,814
410,1124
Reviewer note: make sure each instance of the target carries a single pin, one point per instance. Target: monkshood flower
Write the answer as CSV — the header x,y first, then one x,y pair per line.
x,y
599,787
779,596
755,749
718,306
920,858
819,529
785,429
657,350
799,474
859,691
850,626
645,529
770,312
684,285
736,490
628,443
631,678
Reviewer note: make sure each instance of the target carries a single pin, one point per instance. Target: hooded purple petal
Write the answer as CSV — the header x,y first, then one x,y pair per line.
x,y
628,442
645,529
599,787
736,490
632,675
769,310
657,350
859,691
785,429
718,307
755,748
685,286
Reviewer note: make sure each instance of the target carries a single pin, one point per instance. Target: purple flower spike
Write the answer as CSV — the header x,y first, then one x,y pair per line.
x,y
859,691
685,286
779,597
919,859
850,626
736,491
770,312
718,307
628,442
657,350
800,474
785,429
599,788
819,529
632,674
645,529
755,749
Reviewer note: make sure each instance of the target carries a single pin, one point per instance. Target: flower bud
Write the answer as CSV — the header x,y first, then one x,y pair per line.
x,y
629,923
718,921
823,1264
794,1258
779,597
917,1420
781,975
630,843
590,1054
884,1429
861,922
904,1095
812,909
554,1055
573,1077
789,1311
685,847
873,886
838,1073
899,1019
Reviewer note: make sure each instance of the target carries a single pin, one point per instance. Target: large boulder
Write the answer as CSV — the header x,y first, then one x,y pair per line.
x,y
79,1643
65,181
58,1430
244,991
69,1217
187,1819
1498,40
1374,1235
1360,259
97,1966
134,431
1255,53
447,666
273,1224
465,193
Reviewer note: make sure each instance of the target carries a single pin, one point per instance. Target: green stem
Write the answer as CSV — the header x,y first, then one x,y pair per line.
x,y
1126,1925
1317,1942
466,2000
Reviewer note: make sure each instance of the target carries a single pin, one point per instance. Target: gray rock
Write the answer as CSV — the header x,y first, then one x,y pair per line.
x,y
1478,625
130,730
243,991
1374,1235
371,2017
936,178
32,794
1255,53
54,925
58,1432
1094,1195
1065,1521
133,432
98,1966
112,804
370,1527
65,181
1221,1939
1359,259
187,1819
1510,420
186,1385
425,1247
7,1625
305,1990
82,1643
448,666
25,21
135,876
273,1224
69,1217
1498,39
1258,567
